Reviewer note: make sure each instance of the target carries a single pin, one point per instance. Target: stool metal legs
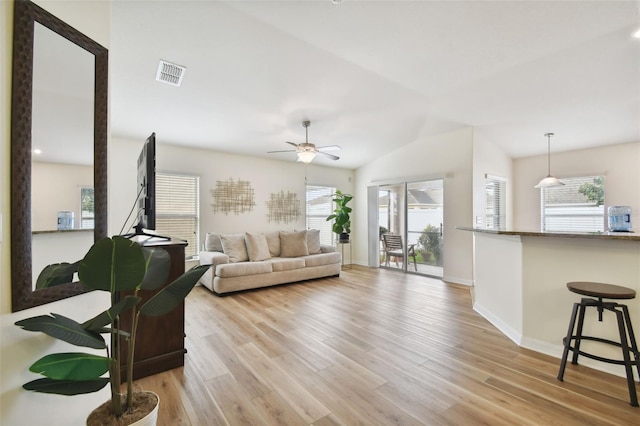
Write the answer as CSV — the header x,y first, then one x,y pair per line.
x,y
627,343
567,341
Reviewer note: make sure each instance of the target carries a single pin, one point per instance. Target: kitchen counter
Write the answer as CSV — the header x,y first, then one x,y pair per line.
x,y
630,236
519,285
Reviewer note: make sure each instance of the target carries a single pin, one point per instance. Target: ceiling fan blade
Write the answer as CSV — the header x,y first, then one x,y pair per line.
x,y
291,143
329,148
333,157
287,150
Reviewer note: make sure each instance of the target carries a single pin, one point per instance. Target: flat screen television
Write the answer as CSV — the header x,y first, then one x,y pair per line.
x,y
147,186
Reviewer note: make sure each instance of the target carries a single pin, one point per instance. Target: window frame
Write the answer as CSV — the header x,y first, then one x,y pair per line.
x,y
499,205
576,213
192,251
325,227
91,218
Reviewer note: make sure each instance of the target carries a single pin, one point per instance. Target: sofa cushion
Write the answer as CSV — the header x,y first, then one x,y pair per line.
x,y
293,244
313,241
212,242
235,247
322,259
286,263
273,240
240,269
257,247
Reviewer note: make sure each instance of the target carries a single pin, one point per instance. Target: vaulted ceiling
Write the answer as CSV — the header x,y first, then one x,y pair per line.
x,y
372,76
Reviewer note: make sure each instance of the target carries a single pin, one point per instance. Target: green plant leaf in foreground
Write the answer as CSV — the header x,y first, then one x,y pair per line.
x,y
173,294
63,328
98,323
158,263
66,387
56,274
113,265
71,366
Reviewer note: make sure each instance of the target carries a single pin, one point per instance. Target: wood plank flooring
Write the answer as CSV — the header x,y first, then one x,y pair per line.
x,y
372,347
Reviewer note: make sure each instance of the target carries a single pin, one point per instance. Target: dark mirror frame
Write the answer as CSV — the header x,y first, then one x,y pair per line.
x,y
26,14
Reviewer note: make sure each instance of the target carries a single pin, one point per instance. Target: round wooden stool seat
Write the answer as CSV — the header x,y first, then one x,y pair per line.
x,y
601,290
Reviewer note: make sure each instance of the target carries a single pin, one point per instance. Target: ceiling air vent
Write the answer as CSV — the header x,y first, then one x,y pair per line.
x,y
170,73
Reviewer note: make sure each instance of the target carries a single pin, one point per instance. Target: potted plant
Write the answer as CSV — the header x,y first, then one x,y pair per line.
x,y
119,266
341,214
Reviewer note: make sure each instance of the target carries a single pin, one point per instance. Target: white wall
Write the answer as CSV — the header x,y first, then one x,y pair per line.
x,y
266,177
18,348
489,159
620,164
447,156
56,187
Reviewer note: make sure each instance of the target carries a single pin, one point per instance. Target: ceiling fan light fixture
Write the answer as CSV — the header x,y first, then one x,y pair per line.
x,y
549,181
306,156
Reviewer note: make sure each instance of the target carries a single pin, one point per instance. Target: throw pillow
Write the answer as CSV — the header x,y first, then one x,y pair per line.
x,y
273,239
257,247
293,244
313,241
212,242
234,247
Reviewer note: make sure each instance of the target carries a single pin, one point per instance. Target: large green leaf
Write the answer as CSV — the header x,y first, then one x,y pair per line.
x,y
98,323
71,366
63,328
173,294
158,263
56,274
66,387
113,265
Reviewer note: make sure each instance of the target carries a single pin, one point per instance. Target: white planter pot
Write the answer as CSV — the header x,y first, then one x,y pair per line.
x,y
151,419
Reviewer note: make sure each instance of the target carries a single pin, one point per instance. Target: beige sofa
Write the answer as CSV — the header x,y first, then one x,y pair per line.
x,y
253,260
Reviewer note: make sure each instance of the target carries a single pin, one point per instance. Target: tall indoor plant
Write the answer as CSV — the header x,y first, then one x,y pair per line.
x,y
119,266
342,216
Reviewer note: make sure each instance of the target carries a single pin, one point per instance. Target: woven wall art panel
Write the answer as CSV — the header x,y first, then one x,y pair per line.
x,y
233,197
283,208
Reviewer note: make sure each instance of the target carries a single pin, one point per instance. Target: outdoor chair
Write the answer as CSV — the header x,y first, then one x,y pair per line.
x,y
393,247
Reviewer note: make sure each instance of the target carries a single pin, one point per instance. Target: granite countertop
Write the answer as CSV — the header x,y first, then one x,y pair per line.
x,y
60,231
628,236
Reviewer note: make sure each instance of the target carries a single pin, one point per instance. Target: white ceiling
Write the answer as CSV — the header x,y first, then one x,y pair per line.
x,y
375,75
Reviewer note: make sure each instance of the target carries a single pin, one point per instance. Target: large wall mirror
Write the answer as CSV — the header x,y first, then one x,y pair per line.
x,y
59,110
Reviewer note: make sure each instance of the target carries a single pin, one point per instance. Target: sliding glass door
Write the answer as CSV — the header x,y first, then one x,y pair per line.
x,y
411,214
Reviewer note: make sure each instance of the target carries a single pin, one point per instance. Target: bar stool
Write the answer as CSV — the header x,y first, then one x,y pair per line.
x,y
627,338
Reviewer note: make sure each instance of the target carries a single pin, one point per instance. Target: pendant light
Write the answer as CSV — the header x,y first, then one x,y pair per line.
x,y
549,181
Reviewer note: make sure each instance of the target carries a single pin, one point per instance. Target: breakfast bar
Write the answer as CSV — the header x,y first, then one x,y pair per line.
x,y
520,285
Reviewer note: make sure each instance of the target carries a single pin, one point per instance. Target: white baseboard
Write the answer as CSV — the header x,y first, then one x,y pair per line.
x,y
555,350
508,331
456,280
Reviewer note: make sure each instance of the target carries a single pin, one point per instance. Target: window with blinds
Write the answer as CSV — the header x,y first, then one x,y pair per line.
x,y
87,208
177,209
578,206
319,206
495,206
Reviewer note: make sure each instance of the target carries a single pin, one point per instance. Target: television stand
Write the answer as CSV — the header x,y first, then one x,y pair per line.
x,y
140,232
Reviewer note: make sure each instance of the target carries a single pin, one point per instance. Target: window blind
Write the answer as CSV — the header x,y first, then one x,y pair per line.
x,y
177,209
87,208
578,206
495,206
319,206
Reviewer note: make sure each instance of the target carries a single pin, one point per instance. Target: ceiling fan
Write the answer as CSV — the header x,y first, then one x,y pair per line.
x,y
307,151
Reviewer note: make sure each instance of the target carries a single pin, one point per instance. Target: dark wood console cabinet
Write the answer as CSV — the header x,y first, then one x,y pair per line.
x,y
160,340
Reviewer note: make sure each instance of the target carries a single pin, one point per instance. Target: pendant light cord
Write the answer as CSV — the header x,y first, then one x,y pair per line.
x,y
548,135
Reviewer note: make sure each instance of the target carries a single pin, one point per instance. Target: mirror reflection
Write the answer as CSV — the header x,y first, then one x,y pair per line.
x,y
62,195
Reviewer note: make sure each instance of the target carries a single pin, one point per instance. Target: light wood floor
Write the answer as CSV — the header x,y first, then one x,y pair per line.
x,y
372,347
